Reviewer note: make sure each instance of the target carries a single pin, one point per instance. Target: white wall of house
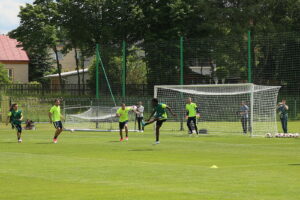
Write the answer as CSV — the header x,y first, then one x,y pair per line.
x,y
19,71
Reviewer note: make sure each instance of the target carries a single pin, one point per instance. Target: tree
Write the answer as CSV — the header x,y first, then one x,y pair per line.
x,y
4,79
39,31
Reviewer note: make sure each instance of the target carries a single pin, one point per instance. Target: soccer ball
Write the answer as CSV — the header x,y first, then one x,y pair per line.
x,y
268,135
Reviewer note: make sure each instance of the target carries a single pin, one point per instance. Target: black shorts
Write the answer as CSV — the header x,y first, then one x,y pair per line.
x,y
18,127
160,122
58,124
122,124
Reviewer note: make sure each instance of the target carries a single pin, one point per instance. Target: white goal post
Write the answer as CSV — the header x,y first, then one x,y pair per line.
x,y
220,106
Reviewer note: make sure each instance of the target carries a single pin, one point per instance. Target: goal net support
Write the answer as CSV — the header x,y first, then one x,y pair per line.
x,y
220,106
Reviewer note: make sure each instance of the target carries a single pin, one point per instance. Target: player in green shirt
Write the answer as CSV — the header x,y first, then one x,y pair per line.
x,y
192,112
55,118
122,113
160,116
15,117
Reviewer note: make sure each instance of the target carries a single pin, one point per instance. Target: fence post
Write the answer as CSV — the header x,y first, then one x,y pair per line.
x,y
249,58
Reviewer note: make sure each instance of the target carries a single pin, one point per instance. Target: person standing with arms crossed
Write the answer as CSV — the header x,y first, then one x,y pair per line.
x,y
283,114
244,110
15,117
192,112
140,116
55,118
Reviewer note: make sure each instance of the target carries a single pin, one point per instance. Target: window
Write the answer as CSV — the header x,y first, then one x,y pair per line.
x,y
10,74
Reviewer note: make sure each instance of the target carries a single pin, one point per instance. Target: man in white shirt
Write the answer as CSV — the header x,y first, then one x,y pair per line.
x,y
140,115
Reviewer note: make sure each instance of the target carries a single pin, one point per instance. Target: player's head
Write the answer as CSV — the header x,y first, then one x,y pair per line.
x,y
154,102
123,106
14,106
189,100
140,103
57,102
283,101
243,103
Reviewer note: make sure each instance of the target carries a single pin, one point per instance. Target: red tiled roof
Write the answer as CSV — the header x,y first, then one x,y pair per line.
x,y
9,50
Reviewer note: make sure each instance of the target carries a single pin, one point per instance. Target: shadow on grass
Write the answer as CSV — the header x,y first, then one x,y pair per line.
x,y
295,164
141,150
44,143
9,142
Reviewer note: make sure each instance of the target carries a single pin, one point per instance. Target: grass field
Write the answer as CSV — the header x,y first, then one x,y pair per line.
x,y
92,166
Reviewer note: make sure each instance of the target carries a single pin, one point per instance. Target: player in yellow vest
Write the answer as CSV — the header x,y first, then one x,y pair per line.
x,y
192,112
122,113
55,118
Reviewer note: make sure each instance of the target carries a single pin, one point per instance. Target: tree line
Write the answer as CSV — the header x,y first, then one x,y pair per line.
x,y
146,24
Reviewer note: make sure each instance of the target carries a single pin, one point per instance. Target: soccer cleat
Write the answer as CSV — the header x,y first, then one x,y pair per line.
x,y
126,138
141,131
157,142
121,139
20,140
143,123
55,140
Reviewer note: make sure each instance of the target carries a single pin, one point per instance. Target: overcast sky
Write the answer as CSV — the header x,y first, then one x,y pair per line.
x,y
9,10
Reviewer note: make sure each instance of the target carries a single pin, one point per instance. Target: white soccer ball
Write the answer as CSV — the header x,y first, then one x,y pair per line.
x,y
268,135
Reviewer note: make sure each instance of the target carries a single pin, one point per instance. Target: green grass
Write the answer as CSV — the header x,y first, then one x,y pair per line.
x,y
93,166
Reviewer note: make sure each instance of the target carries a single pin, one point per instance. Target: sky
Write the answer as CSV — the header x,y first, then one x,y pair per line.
x,y
9,10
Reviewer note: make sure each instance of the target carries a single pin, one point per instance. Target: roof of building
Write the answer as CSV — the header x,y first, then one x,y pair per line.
x,y
67,73
9,50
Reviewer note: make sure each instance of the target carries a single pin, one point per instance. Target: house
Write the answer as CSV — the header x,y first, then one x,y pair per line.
x,y
70,77
67,61
14,58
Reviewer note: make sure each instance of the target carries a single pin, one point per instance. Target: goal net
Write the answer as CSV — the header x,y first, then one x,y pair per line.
x,y
93,118
220,106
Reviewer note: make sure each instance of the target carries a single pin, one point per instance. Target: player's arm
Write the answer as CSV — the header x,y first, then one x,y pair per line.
x,y
50,116
187,114
286,107
171,111
21,118
197,111
118,114
8,118
134,109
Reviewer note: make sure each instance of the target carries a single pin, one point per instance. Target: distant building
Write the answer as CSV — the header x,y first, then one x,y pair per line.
x,y
70,77
67,61
14,58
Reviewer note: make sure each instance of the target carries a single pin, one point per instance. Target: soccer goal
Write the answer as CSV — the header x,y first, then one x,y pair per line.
x,y
92,118
220,106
